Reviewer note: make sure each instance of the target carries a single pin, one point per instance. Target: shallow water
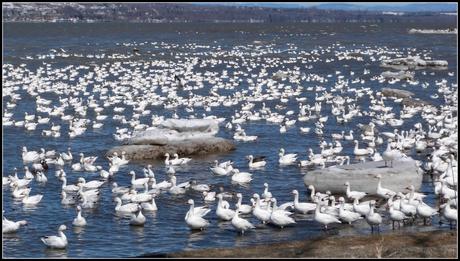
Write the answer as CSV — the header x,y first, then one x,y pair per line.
x,y
107,235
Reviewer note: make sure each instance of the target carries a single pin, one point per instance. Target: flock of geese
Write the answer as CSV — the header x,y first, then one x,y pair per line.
x,y
80,108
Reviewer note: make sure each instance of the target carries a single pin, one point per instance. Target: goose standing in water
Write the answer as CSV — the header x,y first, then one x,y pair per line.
x,y
241,224
303,207
372,218
323,218
395,214
59,241
279,216
346,215
222,212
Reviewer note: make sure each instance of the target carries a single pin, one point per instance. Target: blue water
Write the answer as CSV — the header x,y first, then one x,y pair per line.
x,y
108,235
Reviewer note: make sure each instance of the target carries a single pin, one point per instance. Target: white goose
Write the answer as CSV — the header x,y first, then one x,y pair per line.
x,y
243,208
181,160
260,213
59,241
361,152
137,182
391,154
29,156
241,224
79,221
149,206
195,221
68,156
223,213
395,214
9,226
280,217
32,200
137,219
346,215
354,194
372,218
324,219
127,208
381,191
303,207
286,159
93,184
241,177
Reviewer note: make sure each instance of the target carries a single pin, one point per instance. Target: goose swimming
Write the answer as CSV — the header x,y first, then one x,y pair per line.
x,y
195,221
59,241
79,221
9,226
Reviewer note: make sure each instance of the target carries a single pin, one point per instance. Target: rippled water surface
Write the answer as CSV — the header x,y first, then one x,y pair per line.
x,y
108,235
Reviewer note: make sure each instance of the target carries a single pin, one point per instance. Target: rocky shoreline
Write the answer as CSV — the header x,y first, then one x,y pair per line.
x,y
432,244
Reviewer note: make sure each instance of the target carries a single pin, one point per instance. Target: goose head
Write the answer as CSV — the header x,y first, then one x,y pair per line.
x,y
295,192
347,184
78,208
62,227
190,202
378,176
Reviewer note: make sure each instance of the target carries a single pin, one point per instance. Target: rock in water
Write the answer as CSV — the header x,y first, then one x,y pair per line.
x,y
362,176
182,136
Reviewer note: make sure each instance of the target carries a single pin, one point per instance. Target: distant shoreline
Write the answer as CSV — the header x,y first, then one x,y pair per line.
x,y
432,244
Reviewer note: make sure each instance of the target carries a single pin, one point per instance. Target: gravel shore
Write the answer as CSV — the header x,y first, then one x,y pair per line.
x,y
433,244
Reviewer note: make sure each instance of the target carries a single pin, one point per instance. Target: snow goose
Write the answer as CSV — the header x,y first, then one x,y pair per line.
x,y
349,136
286,159
360,152
303,207
260,213
93,184
209,196
219,170
79,221
323,218
137,182
29,156
449,213
181,160
395,214
223,213
381,191
346,215
59,241
390,154
243,208
354,194
149,206
372,218
67,156
241,177
28,174
199,187
126,208
118,189
20,192
9,226
362,208
257,162
41,177
241,224
280,217
405,207
67,200
425,211
193,220
178,189
32,200
137,219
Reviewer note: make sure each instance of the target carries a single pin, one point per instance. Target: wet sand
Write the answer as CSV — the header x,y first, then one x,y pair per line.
x,y
433,244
